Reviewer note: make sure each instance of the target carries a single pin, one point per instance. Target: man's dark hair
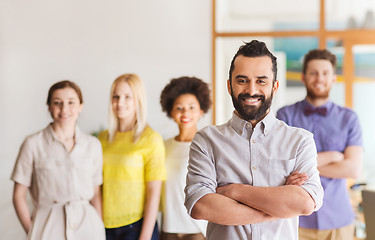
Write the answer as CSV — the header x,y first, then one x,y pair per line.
x,y
321,54
254,48
185,85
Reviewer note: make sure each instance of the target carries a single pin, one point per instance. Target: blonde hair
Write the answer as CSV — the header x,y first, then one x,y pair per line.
x,y
139,94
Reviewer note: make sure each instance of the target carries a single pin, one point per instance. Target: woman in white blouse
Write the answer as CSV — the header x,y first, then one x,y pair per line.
x,y
185,100
62,168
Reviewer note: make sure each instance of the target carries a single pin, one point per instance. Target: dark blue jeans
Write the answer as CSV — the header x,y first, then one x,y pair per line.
x,y
129,232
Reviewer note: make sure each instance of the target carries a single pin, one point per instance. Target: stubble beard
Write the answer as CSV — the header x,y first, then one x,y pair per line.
x,y
313,95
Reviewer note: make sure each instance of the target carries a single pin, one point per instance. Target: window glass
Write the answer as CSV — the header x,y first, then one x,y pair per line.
x,y
267,15
349,14
363,94
337,93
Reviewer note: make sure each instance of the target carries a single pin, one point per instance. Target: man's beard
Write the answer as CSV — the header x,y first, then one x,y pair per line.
x,y
251,112
317,95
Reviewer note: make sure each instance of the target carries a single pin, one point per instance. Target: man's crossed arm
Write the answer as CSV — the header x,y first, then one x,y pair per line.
x,y
335,164
240,204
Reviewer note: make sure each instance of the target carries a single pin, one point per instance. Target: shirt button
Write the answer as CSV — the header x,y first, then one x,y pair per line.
x,y
254,168
253,141
247,124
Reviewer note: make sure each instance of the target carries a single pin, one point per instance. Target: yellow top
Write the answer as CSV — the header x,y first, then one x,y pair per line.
x,y
127,166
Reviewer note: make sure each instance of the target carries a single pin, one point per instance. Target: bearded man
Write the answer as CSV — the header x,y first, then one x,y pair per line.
x,y
253,176
338,139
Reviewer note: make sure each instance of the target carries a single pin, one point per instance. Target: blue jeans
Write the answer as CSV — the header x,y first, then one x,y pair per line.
x,y
129,232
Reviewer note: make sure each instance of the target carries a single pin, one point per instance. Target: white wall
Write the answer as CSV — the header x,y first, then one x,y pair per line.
x,y
91,43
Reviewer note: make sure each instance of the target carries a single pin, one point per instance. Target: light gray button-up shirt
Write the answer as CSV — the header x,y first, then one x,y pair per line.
x,y
264,156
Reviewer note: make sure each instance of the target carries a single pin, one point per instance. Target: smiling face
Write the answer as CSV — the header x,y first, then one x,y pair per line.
x,y
318,79
65,106
186,111
123,102
252,87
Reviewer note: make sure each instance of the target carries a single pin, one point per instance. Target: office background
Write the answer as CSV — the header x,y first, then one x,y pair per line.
x,y
92,42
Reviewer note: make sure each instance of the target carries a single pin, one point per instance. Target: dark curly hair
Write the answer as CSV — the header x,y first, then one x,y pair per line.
x,y
185,85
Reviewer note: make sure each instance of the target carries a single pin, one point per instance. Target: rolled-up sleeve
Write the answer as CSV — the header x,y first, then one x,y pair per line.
x,y
23,168
201,176
307,163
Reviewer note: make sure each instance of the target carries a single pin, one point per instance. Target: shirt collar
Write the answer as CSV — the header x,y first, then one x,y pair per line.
x,y
240,125
267,123
51,136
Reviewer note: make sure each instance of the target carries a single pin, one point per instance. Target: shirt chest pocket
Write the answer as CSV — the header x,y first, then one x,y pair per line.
x,y
274,172
49,176
334,144
331,140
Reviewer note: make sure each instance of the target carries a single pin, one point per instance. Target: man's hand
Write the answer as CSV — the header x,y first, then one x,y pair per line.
x,y
297,179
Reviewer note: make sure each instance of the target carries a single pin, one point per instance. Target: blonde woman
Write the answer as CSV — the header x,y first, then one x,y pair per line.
x,y
62,168
133,168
